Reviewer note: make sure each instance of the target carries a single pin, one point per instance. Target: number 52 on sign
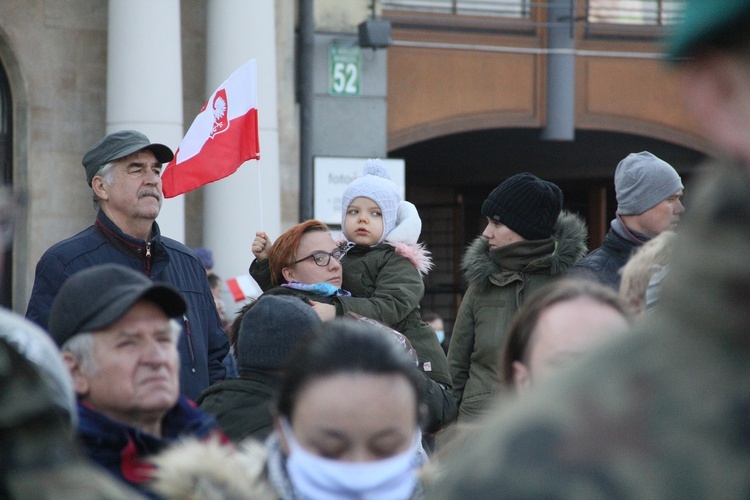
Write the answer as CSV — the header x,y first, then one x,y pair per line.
x,y
344,70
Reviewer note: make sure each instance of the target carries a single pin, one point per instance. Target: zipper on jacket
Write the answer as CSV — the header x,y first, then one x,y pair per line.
x,y
189,341
147,260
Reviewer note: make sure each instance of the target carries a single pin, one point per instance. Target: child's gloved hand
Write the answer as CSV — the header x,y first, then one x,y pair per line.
x,y
261,245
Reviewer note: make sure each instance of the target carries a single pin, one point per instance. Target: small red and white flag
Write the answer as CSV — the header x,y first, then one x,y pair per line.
x,y
222,137
243,287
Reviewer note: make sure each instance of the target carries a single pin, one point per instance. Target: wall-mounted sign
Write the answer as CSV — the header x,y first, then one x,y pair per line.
x,y
344,70
333,175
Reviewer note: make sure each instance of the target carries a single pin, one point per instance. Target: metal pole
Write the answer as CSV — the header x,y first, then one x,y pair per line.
x,y
561,77
305,82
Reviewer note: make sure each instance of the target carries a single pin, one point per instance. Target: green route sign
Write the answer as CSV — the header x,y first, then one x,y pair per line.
x,y
344,70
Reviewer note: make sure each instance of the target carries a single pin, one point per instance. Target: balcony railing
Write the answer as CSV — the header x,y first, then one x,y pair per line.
x,y
601,12
635,12
488,8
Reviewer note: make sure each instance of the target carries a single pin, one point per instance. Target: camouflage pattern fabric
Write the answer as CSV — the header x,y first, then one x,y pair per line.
x,y
38,458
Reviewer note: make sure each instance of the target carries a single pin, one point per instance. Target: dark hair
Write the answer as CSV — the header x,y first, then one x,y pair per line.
x,y
345,346
213,280
430,316
233,333
524,323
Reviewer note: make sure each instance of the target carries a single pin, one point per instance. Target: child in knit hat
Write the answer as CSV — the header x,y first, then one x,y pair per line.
x,y
383,270
369,208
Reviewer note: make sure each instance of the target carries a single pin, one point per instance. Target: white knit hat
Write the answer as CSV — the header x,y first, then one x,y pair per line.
x,y
376,185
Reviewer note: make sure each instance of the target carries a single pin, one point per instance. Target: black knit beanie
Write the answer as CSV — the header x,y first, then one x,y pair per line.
x,y
526,204
271,329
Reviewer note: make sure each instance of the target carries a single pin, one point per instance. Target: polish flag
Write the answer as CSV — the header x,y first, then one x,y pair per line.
x,y
243,287
222,137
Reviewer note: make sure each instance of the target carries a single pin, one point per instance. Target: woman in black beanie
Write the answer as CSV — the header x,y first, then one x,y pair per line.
x,y
528,242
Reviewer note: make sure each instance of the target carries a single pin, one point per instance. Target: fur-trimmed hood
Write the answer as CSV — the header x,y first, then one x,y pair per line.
x,y
570,235
194,469
404,238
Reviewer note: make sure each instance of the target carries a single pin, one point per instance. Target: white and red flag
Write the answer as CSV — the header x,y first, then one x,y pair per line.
x,y
222,137
243,287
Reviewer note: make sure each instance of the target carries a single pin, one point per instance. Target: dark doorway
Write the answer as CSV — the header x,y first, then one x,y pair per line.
x,y
448,178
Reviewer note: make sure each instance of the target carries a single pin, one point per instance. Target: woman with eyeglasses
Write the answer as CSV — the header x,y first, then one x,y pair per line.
x,y
305,261
382,269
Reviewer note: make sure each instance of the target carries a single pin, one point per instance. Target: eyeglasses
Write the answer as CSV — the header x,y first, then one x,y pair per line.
x,y
322,258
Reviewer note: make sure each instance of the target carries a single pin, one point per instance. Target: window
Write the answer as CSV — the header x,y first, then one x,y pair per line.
x,y
635,12
487,8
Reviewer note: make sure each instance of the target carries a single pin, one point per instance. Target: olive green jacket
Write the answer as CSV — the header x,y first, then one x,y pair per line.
x,y
498,282
660,413
387,287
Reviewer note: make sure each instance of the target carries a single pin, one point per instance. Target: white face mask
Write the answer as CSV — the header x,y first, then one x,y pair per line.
x,y
440,335
314,476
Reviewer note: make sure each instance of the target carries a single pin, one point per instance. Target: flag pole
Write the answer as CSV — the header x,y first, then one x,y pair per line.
x,y
260,200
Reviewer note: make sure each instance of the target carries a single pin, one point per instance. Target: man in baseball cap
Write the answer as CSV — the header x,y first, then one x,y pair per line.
x,y
123,170
119,343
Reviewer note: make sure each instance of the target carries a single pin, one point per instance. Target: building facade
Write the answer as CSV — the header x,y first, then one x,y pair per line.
x,y
467,92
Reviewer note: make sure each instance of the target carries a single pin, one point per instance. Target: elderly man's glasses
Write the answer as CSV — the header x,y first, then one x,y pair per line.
x,y
322,258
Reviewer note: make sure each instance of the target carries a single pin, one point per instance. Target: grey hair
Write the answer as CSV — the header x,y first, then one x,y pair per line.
x,y
175,329
81,346
107,174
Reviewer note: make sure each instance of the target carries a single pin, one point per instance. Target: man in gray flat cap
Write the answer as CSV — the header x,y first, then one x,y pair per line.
x,y
648,193
123,170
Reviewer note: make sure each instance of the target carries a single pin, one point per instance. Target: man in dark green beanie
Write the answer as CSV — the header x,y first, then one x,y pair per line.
x,y
665,412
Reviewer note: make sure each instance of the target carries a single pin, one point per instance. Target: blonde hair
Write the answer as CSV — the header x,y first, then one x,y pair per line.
x,y
647,261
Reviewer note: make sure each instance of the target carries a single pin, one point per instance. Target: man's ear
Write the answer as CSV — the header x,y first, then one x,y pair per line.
x,y
99,187
521,377
288,274
80,380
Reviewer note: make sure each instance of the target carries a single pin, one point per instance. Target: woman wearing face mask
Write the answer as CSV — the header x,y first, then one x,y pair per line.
x,y
347,422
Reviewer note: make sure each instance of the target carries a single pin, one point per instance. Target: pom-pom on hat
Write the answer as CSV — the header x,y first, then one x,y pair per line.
x,y
376,185
526,204
271,329
642,181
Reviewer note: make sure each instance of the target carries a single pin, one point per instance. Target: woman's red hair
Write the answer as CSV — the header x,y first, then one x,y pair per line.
x,y
284,251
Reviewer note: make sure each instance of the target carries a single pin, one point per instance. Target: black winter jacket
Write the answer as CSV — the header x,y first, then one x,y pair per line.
x,y
202,346
603,264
